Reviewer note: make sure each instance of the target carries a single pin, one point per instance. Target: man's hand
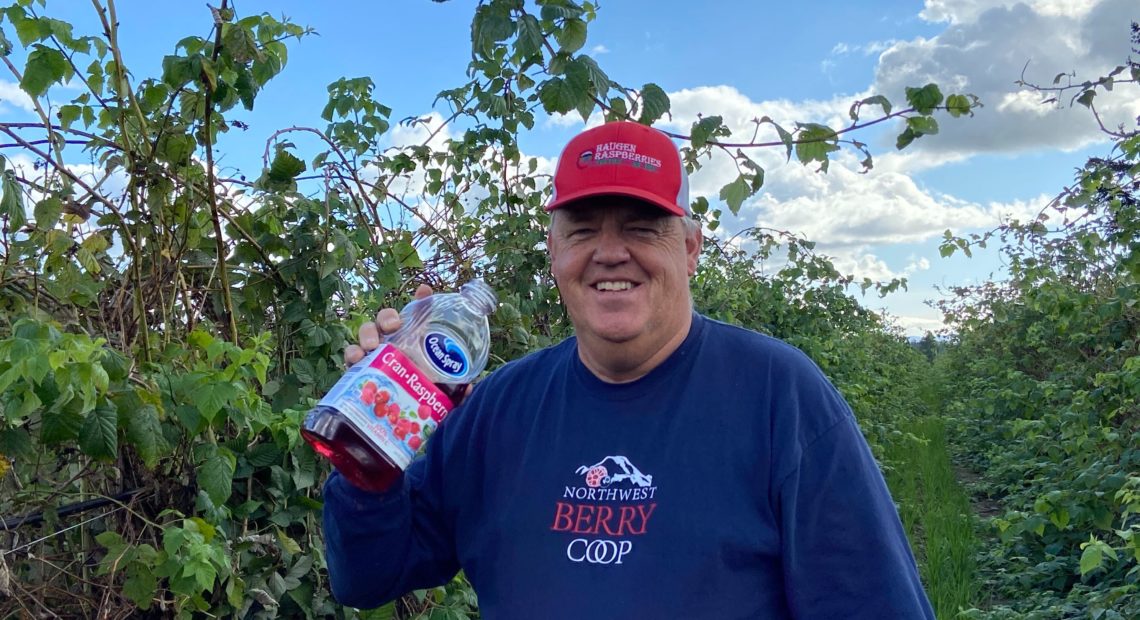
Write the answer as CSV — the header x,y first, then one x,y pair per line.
x,y
387,321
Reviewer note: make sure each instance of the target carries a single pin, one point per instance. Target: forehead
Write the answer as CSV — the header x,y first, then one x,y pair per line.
x,y
620,207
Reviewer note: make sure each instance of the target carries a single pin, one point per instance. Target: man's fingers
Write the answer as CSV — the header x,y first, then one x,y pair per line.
x,y
353,354
387,321
368,336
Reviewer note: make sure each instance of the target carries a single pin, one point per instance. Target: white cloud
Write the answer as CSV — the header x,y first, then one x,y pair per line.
x,y
916,264
599,49
959,11
12,95
573,119
918,325
983,51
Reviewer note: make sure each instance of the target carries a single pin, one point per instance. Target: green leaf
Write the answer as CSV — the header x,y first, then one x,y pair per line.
x,y
177,71
212,397
585,108
263,455
59,425
572,36
703,130
386,612
209,72
45,67
735,193
878,100
305,468
287,543
553,12
285,167
595,75
558,96
957,105
785,135
68,114
1091,558
144,432
492,24
140,586
240,44
924,100
177,148
530,38
15,442
922,125
246,89
304,370
1086,98
654,104
814,142
99,437
215,472
905,138
11,201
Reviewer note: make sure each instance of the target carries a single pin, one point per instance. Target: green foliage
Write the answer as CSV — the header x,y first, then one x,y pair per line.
x,y
1042,386
159,348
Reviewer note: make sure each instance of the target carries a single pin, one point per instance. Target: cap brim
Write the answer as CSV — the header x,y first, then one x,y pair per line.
x,y
616,190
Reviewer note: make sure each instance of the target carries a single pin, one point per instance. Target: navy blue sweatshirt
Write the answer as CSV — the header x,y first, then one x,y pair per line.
x,y
730,482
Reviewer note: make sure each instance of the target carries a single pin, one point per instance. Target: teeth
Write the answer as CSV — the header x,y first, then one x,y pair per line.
x,y
613,286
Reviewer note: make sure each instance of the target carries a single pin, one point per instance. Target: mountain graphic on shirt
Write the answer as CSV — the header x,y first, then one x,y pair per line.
x,y
614,469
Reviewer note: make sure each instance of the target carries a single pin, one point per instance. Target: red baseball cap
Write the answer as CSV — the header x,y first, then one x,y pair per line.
x,y
622,158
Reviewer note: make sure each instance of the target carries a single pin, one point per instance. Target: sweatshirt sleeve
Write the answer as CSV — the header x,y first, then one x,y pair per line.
x,y
380,546
844,549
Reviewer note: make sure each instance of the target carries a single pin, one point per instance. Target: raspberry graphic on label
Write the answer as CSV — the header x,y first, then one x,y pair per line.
x,y
424,411
414,442
595,476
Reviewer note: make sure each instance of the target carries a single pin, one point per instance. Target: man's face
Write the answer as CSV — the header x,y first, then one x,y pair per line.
x,y
622,268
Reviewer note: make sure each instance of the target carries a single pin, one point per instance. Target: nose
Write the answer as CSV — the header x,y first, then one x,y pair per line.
x,y
611,248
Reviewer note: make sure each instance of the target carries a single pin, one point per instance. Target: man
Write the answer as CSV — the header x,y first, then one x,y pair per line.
x,y
659,464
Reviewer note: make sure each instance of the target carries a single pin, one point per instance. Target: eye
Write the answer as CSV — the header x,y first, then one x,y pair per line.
x,y
642,229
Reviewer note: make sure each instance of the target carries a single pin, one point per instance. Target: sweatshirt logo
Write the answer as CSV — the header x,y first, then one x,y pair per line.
x,y
599,475
607,512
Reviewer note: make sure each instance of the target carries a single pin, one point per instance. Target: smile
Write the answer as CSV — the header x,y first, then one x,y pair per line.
x,y
614,285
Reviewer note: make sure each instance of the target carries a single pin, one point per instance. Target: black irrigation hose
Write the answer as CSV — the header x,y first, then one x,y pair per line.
x,y
35,518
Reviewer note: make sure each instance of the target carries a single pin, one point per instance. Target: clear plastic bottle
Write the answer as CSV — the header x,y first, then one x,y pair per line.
x,y
381,411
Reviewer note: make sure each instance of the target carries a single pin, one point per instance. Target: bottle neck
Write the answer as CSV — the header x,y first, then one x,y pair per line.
x,y
479,297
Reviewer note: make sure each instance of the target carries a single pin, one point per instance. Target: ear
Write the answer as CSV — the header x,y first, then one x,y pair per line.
x,y
550,249
692,247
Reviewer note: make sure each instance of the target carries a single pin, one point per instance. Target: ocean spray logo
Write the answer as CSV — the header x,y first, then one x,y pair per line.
x,y
445,354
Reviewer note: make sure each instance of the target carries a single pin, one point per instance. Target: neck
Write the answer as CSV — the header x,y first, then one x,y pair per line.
x,y
623,362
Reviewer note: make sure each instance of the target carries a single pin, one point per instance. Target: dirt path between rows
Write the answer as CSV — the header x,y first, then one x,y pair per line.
x,y
984,506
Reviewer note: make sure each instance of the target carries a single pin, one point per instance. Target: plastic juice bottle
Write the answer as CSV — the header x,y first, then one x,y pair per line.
x,y
381,411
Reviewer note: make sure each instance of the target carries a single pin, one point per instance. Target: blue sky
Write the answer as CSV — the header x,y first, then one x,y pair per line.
x,y
802,61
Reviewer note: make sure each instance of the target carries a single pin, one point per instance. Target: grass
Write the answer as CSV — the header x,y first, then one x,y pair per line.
x,y
936,513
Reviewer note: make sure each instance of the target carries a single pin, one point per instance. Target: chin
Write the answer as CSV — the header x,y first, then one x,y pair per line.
x,y
615,330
